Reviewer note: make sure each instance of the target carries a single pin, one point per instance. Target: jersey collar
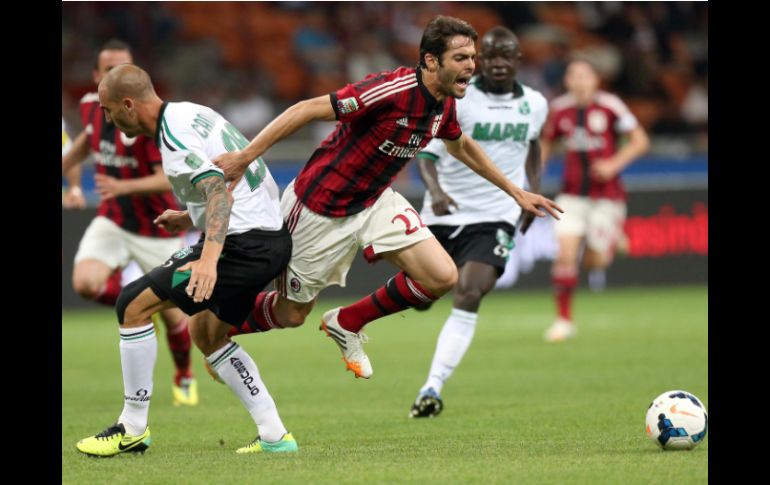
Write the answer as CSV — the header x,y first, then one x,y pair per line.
x,y
518,90
430,100
159,125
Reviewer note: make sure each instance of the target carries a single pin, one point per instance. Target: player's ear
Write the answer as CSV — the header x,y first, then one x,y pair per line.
x,y
128,104
431,62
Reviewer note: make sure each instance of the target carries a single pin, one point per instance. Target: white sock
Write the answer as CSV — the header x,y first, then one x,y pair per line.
x,y
453,342
597,280
138,352
239,371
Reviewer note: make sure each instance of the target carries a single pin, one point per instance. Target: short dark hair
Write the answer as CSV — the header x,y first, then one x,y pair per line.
x,y
584,59
112,45
439,31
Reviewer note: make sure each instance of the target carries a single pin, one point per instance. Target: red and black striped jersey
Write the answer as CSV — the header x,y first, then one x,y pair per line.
x,y
384,121
591,133
122,157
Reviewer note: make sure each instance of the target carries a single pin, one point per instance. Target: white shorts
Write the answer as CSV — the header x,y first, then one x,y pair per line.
x,y
107,242
600,221
324,247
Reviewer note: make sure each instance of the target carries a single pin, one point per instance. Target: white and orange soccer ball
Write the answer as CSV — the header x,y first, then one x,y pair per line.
x,y
677,420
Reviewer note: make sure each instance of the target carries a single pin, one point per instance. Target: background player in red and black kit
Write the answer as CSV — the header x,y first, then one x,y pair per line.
x,y
134,191
342,200
591,122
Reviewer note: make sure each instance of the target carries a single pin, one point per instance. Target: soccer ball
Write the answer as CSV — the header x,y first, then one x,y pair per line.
x,y
677,420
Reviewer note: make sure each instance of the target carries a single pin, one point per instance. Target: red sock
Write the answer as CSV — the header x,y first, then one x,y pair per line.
x,y
179,343
399,293
564,286
110,290
262,317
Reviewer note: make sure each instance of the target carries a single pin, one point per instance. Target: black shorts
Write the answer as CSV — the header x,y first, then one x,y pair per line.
x,y
487,242
248,262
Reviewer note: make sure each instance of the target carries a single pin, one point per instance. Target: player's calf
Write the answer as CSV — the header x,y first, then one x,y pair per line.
x,y
272,311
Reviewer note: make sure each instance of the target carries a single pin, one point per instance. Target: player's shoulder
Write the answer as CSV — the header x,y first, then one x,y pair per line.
x,y
563,102
534,96
377,79
181,111
181,116
176,124
399,73
610,101
387,84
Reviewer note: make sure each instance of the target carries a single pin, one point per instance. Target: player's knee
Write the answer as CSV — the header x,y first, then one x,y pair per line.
x,y
468,298
291,314
206,341
128,313
293,320
87,288
595,260
295,317
443,280
566,259
560,267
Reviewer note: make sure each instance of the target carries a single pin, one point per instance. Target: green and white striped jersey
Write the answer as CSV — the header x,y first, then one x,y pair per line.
x,y
503,124
189,137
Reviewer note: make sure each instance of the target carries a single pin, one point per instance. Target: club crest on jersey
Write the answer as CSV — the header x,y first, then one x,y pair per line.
x,y
347,105
193,161
524,108
436,124
597,121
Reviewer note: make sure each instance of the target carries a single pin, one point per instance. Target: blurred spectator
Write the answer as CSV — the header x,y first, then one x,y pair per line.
x,y
695,107
316,45
247,108
369,55
648,52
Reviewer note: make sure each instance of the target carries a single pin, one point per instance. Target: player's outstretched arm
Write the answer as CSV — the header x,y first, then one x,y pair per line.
x,y
533,167
291,120
468,151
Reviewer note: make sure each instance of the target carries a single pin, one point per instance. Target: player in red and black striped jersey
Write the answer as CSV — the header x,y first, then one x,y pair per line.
x,y
134,191
590,121
384,120
123,165
342,200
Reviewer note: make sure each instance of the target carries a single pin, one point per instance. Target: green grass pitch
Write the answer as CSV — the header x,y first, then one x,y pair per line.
x,y
517,410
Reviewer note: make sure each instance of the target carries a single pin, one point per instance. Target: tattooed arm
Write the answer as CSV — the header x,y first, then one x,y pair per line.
x,y
204,271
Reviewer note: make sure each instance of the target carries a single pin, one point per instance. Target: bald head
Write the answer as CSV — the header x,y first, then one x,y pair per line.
x,y
500,56
128,100
127,81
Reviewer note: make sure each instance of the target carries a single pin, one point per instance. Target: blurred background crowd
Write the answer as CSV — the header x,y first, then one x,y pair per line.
x,y
251,60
